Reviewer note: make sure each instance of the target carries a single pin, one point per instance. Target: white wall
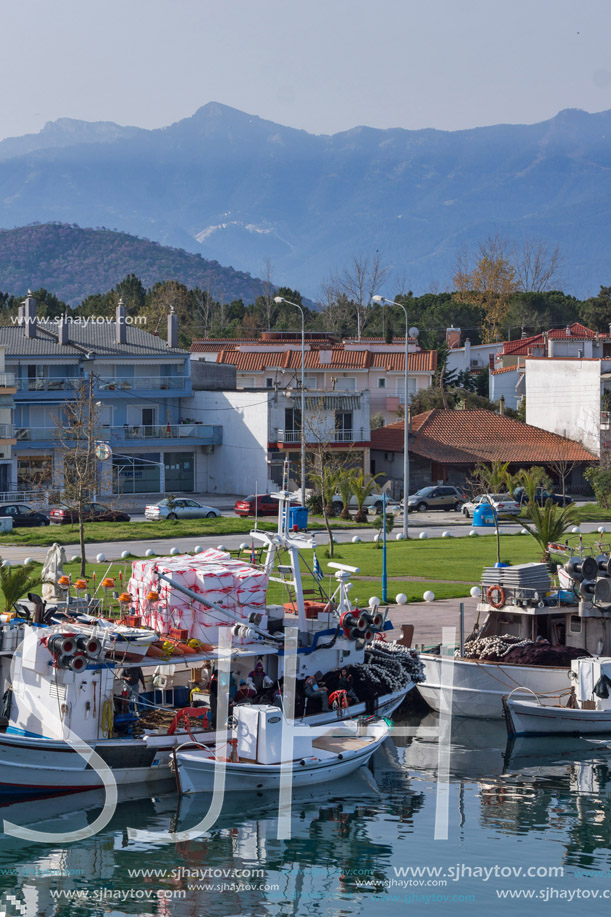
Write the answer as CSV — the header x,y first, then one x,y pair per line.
x,y
563,396
239,465
505,384
460,358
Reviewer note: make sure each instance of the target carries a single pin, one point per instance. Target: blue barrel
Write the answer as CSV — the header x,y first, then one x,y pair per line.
x,y
483,515
298,516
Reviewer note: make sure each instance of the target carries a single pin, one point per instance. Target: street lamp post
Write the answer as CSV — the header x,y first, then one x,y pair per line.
x,y
280,299
391,302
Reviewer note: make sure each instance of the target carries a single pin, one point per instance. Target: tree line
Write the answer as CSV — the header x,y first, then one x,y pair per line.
x,y
500,293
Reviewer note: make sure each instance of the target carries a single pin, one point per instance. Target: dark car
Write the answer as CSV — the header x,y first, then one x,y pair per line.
x,y
92,512
541,497
23,515
265,504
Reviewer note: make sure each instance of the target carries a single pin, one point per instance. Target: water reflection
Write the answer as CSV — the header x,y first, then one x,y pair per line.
x,y
542,801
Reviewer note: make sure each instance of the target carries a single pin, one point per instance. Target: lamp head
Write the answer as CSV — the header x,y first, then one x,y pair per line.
x,y
377,298
279,299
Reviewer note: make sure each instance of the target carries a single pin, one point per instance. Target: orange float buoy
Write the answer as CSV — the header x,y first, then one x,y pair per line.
x,y
108,583
80,584
63,581
153,596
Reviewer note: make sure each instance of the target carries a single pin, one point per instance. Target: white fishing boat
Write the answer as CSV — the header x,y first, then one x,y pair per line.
x,y
255,755
530,636
586,711
73,714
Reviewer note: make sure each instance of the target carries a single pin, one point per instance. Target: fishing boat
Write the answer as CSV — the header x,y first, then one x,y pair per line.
x,y
76,721
586,711
256,754
531,634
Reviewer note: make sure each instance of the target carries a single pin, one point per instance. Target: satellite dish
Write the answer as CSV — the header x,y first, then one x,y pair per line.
x,y
413,332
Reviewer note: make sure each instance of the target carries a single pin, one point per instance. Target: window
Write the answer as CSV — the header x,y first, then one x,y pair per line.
x,y
34,472
269,382
382,382
343,426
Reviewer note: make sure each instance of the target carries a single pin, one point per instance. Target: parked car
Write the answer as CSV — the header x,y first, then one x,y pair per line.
x,y
504,504
92,512
265,505
441,496
23,515
541,497
181,508
373,504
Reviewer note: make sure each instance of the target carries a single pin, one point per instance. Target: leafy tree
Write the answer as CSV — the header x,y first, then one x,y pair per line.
x,y
378,523
599,479
490,284
596,312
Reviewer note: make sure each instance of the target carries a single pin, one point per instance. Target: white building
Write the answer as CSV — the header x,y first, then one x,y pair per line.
x,y
567,396
262,427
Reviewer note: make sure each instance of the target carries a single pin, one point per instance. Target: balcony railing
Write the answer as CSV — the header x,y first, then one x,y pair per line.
x,y
7,380
209,432
335,436
7,431
143,383
605,419
119,383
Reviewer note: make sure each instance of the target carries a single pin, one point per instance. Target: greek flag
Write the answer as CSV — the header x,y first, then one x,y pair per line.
x,y
317,571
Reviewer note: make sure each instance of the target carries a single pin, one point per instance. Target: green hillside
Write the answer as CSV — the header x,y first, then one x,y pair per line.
x,y
75,263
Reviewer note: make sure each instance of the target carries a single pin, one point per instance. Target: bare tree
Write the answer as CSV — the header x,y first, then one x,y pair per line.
x,y
267,299
358,282
562,466
537,265
76,432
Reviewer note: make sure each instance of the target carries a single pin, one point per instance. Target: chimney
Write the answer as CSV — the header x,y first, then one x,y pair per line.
x,y
21,310
29,315
62,331
502,404
467,353
120,328
453,338
491,361
172,328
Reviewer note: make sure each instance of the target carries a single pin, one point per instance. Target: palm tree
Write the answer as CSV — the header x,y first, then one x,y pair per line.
x,y
549,523
362,487
494,478
15,582
531,479
326,482
345,482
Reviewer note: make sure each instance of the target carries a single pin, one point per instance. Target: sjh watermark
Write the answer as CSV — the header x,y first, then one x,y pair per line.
x,y
82,320
224,657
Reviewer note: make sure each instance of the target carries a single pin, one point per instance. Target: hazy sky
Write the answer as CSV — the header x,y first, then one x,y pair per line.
x,y
320,65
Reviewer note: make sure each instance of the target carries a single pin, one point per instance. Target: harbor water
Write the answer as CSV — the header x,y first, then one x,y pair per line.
x,y
440,823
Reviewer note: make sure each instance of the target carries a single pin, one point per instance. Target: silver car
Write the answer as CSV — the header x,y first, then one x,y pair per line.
x,y
180,508
504,504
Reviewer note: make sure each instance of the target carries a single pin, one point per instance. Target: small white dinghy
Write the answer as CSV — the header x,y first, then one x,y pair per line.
x,y
252,757
589,712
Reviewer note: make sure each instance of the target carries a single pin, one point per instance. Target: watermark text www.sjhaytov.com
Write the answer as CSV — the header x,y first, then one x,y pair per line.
x,y
83,320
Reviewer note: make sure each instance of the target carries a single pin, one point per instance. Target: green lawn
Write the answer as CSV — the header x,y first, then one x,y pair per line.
x,y
132,531
449,566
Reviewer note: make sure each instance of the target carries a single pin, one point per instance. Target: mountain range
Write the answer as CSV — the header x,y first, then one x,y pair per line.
x,y
240,190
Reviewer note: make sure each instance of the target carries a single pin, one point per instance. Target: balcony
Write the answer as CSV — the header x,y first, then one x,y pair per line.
x,y
7,431
7,380
291,437
195,433
179,384
143,384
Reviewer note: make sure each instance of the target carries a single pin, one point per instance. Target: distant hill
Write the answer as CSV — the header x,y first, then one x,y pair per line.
x,y
72,263
240,190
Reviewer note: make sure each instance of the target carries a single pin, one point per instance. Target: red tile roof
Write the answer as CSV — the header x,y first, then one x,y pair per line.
x,y
577,331
467,437
508,369
210,345
522,345
260,360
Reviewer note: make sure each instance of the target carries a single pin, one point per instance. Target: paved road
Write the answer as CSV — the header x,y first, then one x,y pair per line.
x,y
113,550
